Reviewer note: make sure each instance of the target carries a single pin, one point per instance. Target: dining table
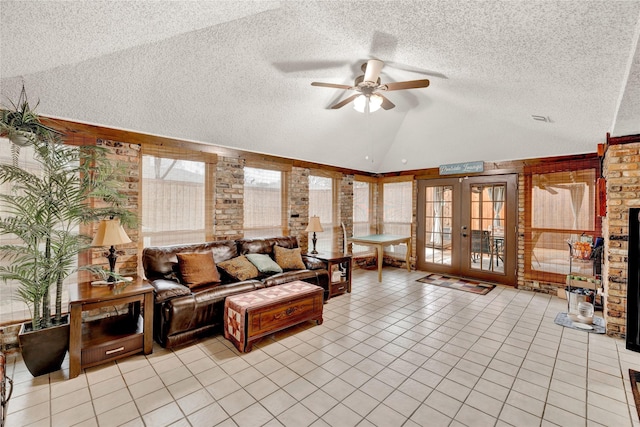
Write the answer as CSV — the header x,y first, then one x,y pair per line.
x,y
379,241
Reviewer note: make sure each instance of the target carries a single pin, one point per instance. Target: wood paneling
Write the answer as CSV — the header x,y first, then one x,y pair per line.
x,y
74,130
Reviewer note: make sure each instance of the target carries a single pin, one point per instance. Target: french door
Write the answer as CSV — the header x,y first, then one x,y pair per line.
x,y
467,227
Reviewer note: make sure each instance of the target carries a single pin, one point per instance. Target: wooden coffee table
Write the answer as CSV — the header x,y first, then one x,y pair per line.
x,y
253,315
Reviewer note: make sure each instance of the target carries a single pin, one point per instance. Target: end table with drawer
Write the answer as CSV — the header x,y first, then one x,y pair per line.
x,y
92,342
339,267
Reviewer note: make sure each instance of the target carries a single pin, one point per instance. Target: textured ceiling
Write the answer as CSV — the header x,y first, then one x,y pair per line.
x,y
238,74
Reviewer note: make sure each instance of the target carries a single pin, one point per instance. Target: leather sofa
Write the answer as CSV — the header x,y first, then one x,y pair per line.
x,y
183,315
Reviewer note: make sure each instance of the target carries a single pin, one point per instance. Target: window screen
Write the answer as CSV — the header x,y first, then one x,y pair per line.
x,y
397,213
262,203
173,200
321,203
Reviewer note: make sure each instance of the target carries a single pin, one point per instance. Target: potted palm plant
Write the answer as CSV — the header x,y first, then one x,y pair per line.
x,y
42,215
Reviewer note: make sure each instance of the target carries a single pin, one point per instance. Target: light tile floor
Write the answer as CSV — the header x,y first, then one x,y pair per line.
x,y
396,353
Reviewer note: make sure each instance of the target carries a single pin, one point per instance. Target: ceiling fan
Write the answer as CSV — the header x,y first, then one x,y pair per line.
x,y
368,87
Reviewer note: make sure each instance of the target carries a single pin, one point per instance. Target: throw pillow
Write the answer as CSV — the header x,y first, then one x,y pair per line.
x,y
240,268
197,268
289,259
264,263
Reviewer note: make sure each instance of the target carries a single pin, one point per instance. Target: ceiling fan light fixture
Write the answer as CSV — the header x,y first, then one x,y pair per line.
x,y
360,103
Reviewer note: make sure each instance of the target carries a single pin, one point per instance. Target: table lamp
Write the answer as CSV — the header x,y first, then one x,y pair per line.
x,y
314,226
110,233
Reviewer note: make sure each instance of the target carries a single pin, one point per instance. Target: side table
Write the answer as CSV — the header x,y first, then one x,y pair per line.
x,y
93,342
339,267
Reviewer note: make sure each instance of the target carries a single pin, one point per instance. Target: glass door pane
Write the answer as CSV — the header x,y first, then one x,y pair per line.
x,y
487,242
438,224
489,217
438,229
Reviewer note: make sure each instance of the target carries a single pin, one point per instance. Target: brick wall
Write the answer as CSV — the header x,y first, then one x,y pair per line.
x,y
298,213
621,168
521,228
345,206
229,204
414,226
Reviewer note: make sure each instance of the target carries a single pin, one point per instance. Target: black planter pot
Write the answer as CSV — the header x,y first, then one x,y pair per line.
x,y
43,351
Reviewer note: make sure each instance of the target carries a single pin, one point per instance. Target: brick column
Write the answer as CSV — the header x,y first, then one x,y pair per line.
x,y
298,210
521,232
621,168
229,199
345,207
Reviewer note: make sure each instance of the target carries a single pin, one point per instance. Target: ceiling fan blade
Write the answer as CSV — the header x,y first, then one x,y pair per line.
x,y
303,66
372,71
386,104
344,102
415,70
332,85
411,84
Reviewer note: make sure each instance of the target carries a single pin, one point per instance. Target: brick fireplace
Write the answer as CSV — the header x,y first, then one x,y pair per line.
x,y
621,168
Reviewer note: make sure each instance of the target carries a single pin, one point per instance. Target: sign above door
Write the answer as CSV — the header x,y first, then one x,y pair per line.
x,y
458,168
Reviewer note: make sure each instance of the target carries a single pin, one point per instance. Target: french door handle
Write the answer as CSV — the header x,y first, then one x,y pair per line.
x,y
463,231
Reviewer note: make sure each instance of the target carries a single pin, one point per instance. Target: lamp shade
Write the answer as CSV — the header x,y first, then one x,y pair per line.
x,y
314,224
110,233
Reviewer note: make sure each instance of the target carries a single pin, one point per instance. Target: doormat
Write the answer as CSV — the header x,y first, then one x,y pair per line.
x,y
635,383
597,327
458,283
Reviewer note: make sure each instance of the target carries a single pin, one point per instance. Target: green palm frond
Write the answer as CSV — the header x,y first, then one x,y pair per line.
x,y
45,209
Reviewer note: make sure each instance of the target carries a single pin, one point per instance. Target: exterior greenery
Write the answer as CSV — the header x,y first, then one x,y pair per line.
x,y
44,212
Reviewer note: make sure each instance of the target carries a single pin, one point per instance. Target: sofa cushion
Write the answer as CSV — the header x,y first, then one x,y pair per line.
x,y
265,246
239,268
264,263
160,262
197,268
289,259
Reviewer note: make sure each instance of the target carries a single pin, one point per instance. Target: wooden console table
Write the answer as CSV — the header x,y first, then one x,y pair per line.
x,y
379,241
106,339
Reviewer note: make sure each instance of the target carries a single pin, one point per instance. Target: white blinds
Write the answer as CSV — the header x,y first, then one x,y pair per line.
x,y
173,199
321,205
262,203
397,213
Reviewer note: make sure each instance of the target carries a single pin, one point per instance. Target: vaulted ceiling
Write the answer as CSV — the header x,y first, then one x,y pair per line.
x,y
239,73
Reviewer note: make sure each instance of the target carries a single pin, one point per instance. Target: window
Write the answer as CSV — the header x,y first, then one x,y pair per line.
x,y
560,209
397,213
173,198
263,215
363,214
321,203
12,309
